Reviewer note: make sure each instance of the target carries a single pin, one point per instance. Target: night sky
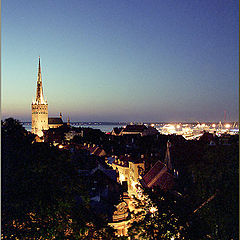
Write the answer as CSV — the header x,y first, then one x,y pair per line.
x,y
122,60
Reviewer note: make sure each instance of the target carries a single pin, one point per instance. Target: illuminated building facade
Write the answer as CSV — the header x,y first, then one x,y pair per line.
x,y
39,108
130,171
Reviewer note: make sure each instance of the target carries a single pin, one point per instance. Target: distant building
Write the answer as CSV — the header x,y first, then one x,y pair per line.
x,y
91,149
71,134
40,120
39,108
135,129
55,122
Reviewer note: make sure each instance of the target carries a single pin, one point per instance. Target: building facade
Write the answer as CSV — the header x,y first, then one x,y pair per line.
x,y
39,108
129,171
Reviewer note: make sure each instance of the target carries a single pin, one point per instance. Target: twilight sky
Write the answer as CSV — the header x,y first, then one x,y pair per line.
x,y
128,60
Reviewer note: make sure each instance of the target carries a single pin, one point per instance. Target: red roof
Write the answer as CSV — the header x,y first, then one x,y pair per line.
x,y
165,181
158,175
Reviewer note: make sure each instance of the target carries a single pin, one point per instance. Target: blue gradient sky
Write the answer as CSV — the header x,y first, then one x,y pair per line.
x,y
122,60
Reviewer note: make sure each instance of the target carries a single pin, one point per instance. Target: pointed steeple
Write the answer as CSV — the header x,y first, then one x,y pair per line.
x,y
39,67
39,94
167,159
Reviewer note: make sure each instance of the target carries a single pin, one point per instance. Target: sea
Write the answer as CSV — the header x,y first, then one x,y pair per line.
x,y
103,126
107,127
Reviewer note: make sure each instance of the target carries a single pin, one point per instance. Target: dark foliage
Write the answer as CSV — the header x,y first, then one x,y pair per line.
x,y
40,188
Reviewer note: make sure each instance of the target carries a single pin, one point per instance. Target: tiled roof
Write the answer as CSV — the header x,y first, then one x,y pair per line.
x,y
158,175
93,150
165,181
123,160
153,172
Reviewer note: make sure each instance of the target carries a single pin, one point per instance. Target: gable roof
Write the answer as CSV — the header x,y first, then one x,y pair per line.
x,y
117,130
158,175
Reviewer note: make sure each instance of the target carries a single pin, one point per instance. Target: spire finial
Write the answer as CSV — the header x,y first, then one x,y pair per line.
x,y
39,67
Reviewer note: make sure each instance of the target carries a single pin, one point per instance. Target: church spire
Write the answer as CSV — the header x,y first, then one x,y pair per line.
x,y
167,159
39,95
39,67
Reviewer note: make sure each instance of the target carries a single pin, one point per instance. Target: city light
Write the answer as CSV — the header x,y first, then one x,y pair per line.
x,y
153,209
133,184
121,178
214,125
171,127
227,125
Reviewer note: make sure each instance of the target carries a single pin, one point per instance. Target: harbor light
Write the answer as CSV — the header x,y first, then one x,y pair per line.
x,y
227,125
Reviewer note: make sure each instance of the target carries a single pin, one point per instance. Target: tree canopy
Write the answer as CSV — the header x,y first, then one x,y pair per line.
x,y
42,195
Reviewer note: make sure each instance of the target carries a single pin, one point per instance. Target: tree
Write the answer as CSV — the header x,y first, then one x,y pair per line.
x,y
218,173
43,196
157,218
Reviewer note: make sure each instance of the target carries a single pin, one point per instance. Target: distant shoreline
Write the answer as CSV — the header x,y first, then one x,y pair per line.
x,y
125,123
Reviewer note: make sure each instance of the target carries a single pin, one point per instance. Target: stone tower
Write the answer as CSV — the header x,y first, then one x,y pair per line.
x,y
39,108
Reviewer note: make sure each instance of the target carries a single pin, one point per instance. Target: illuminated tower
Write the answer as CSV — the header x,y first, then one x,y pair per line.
x,y
39,108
